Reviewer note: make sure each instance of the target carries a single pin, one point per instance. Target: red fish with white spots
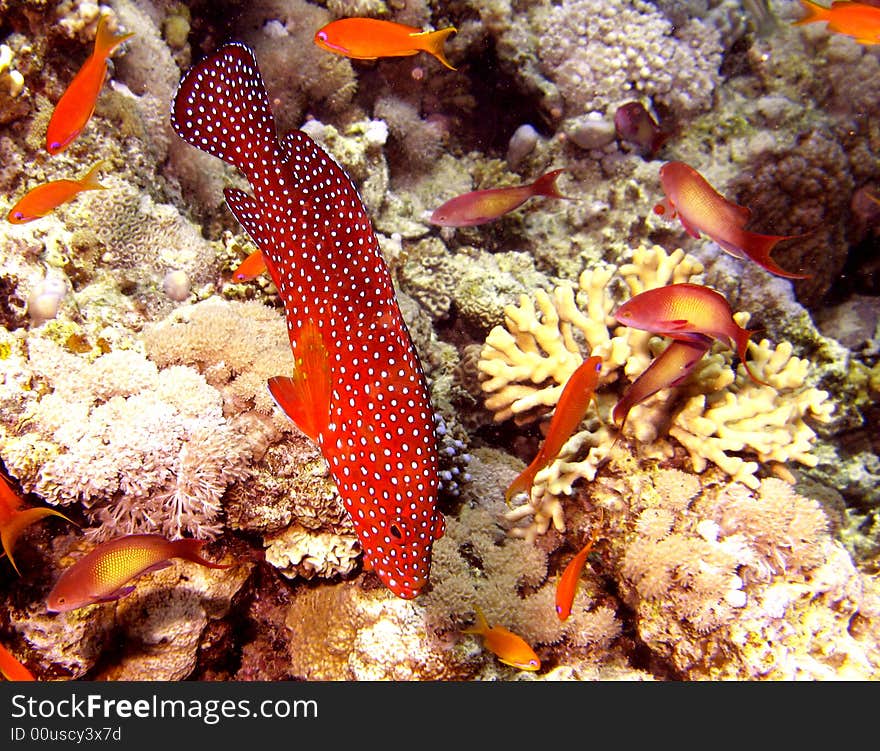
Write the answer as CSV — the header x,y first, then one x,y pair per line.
x,y
357,389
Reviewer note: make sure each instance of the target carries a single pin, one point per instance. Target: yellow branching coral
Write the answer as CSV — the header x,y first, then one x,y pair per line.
x,y
717,415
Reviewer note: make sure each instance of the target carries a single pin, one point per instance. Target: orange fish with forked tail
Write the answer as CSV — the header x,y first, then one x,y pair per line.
x,y
687,312
78,102
369,38
669,368
858,20
49,196
103,574
15,518
566,587
507,646
570,408
11,668
700,208
482,206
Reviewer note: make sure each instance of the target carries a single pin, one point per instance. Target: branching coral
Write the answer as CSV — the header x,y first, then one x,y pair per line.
x,y
528,361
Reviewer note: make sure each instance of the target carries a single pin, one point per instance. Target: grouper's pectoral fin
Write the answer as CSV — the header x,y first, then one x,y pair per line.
x,y
305,396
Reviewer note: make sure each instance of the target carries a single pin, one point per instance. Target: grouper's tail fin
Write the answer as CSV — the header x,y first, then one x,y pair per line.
x,y
222,107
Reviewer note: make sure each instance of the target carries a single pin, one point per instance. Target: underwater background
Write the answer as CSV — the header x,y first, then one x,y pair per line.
x,y
730,528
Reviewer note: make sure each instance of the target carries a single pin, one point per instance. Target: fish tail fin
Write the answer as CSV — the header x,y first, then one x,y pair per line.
x,y
545,185
758,247
222,107
432,42
107,41
741,340
191,550
89,181
20,521
815,12
481,626
305,397
521,484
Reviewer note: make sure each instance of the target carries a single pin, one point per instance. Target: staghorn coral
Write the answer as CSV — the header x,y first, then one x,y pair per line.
x,y
732,583
527,362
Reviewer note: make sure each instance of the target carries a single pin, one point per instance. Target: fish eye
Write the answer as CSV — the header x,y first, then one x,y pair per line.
x,y
55,145
18,215
322,35
60,600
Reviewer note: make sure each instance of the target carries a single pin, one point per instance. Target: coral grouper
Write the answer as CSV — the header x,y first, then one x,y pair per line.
x,y
357,388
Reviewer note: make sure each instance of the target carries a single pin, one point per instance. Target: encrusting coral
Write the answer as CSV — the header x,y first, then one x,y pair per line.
x,y
527,362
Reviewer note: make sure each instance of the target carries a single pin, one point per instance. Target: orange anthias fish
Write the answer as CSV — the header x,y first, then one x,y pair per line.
x,y
700,208
250,268
481,206
687,312
15,518
103,574
369,38
573,402
566,587
507,646
78,102
858,20
669,368
47,197
11,669
357,389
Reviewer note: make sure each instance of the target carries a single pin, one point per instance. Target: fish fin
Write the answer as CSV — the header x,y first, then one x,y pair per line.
x,y
481,627
522,483
249,214
240,128
730,249
439,526
13,528
89,181
107,41
190,549
155,567
757,248
673,324
432,43
693,232
305,397
113,596
741,340
250,268
815,12
546,185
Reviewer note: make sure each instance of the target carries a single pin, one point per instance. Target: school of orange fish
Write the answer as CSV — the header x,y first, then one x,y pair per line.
x,y
392,503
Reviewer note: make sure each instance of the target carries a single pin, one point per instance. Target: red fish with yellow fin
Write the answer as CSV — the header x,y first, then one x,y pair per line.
x,y
357,389
701,209
687,312
102,575
369,38
77,103
482,206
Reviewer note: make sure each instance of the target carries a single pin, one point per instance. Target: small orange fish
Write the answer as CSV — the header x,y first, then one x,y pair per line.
x,y
250,268
102,575
369,38
78,102
15,518
700,208
481,206
11,669
687,312
858,20
566,587
570,408
507,646
669,368
47,197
